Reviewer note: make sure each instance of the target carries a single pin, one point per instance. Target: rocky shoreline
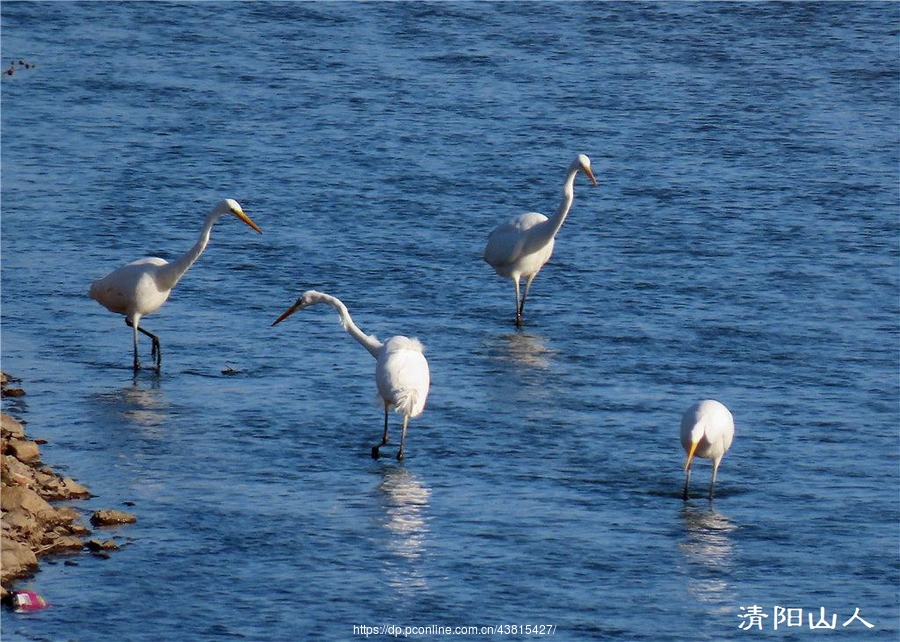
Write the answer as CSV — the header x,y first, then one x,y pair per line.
x,y
32,527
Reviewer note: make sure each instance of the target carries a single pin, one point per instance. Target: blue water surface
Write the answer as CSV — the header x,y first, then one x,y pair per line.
x,y
743,244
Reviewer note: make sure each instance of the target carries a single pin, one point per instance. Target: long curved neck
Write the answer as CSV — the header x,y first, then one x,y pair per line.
x,y
370,343
546,231
170,273
555,222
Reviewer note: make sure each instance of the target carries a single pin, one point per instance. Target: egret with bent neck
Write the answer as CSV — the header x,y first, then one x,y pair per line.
x,y
401,370
707,430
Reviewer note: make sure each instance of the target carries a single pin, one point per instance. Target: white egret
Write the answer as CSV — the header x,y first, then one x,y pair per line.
x,y
521,246
141,287
707,429
401,370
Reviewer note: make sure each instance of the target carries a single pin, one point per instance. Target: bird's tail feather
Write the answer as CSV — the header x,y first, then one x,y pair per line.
x,y
406,401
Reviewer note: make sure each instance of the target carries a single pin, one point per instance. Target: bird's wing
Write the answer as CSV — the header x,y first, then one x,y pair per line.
x,y
508,242
150,260
119,290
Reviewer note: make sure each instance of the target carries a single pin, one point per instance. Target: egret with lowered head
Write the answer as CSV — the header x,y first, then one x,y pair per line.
x,y
141,287
401,370
521,246
707,429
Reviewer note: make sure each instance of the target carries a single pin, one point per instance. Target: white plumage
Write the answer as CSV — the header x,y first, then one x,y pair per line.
x,y
401,370
521,246
707,430
142,286
402,376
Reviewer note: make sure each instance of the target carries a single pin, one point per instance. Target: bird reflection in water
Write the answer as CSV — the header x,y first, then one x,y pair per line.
x,y
708,548
146,407
138,405
405,500
528,350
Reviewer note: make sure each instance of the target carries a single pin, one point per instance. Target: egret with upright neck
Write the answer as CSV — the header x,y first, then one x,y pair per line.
x,y
521,246
142,286
401,370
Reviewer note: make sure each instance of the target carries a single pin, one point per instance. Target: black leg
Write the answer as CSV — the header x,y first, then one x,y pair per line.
x,y
712,482
155,350
403,438
384,437
520,320
137,361
519,304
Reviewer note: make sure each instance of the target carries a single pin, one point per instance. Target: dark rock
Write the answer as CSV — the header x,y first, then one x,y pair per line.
x,y
112,518
97,545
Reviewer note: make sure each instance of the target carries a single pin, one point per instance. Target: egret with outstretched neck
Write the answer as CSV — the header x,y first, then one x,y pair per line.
x,y
401,370
141,287
707,430
521,246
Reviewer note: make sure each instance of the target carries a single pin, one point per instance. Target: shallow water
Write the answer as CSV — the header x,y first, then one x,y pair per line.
x,y
742,245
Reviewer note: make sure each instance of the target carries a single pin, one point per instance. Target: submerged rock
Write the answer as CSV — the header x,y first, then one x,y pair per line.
x,y
112,518
97,545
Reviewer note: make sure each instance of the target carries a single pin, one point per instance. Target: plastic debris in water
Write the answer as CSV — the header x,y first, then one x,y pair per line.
x,y
25,601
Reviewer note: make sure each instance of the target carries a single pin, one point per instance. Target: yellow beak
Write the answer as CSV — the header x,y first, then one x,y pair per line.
x,y
247,220
590,175
690,456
